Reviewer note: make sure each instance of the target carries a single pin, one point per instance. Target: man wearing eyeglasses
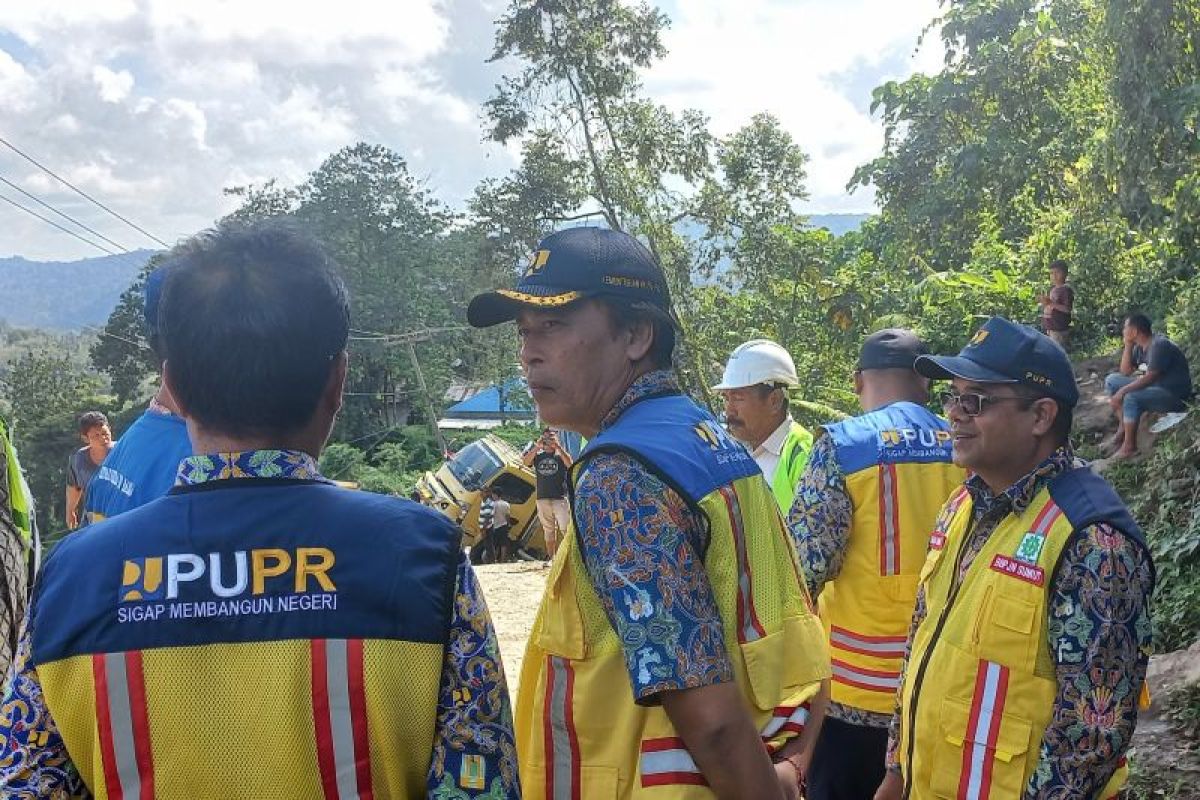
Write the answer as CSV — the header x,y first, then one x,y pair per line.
x,y
1031,632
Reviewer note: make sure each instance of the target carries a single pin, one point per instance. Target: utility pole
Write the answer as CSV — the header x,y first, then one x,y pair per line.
x,y
410,339
429,409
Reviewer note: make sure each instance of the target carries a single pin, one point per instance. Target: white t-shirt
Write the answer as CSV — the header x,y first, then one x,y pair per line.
x,y
500,511
767,454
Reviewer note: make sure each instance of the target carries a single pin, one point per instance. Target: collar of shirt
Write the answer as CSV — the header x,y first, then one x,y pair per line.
x,y
773,444
660,381
288,464
1018,496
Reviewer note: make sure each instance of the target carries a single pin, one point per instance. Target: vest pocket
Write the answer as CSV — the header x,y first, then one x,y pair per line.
x,y
1006,634
981,751
560,623
780,664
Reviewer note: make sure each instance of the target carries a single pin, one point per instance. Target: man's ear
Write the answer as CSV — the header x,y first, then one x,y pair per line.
x,y
639,340
169,383
332,397
1045,411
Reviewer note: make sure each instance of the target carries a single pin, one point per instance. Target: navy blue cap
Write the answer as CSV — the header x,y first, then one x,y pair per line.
x,y
573,264
1005,352
152,292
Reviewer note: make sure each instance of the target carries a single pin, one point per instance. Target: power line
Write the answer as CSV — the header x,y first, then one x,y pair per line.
x,y
79,191
49,221
65,216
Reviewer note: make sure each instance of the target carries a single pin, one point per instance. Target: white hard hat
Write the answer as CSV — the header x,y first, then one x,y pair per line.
x,y
758,361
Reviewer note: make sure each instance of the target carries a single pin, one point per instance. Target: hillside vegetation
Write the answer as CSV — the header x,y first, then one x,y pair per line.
x,y
1055,129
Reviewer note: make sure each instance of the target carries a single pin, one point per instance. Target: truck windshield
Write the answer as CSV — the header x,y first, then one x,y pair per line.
x,y
474,465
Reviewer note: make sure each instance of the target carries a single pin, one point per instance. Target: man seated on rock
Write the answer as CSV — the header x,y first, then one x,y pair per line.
x,y
1154,376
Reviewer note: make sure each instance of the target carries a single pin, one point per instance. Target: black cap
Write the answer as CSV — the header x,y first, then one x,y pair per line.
x,y
891,348
1005,352
571,265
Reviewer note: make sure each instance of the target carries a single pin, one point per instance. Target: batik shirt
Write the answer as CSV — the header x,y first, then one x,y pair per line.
x,y
1099,636
643,547
820,521
474,717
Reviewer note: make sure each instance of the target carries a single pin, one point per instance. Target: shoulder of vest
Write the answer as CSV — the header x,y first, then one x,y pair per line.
x,y
1086,499
678,441
398,566
896,433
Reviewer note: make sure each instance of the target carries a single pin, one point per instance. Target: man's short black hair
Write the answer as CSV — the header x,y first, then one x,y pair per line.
x,y
251,322
91,419
1140,323
625,315
1063,420
1059,265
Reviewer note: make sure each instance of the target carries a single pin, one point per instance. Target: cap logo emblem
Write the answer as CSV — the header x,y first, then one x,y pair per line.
x,y
1042,379
537,262
978,338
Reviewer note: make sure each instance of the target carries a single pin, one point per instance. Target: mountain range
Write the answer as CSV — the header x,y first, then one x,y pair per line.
x,y
65,295
72,295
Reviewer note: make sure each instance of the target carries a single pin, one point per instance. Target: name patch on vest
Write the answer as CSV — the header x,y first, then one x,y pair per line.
x,y
261,581
1019,569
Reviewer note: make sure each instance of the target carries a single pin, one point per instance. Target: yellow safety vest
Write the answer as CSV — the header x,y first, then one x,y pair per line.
x,y
897,486
579,731
980,684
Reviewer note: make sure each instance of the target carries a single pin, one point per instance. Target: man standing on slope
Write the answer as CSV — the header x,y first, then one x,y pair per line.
x,y
755,387
258,632
675,650
864,509
1031,632
143,463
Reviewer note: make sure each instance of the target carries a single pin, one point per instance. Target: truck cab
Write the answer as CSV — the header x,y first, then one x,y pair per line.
x,y
456,489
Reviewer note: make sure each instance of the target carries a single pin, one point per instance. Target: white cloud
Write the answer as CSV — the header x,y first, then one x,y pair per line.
x,y
155,106
114,86
799,61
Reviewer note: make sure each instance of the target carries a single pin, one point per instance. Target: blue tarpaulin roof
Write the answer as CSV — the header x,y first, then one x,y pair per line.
x,y
487,402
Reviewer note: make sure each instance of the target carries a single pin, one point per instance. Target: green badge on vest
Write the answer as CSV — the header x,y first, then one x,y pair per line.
x,y
1030,548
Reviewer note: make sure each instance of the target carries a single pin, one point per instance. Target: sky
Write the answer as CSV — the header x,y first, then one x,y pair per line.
x,y
154,106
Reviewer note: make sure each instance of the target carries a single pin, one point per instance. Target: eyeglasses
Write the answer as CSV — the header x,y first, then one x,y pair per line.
x,y
973,404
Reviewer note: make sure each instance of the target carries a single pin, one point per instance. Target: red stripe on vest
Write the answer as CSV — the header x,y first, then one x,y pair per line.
x,y
993,736
108,755
673,778
358,717
548,727
321,724
745,603
576,783
139,715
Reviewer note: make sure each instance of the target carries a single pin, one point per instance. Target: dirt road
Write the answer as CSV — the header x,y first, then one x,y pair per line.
x,y
513,592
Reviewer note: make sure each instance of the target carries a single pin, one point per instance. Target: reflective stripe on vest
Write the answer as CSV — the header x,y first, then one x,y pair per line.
x,y
124,733
987,707
889,521
749,628
882,646
340,718
666,762
873,680
786,719
562,744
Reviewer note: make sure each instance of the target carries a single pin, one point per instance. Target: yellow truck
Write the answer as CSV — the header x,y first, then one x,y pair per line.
x,y
456,487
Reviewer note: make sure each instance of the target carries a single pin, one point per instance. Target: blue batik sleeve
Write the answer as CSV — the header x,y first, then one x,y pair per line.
x,y
641,544
474,752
